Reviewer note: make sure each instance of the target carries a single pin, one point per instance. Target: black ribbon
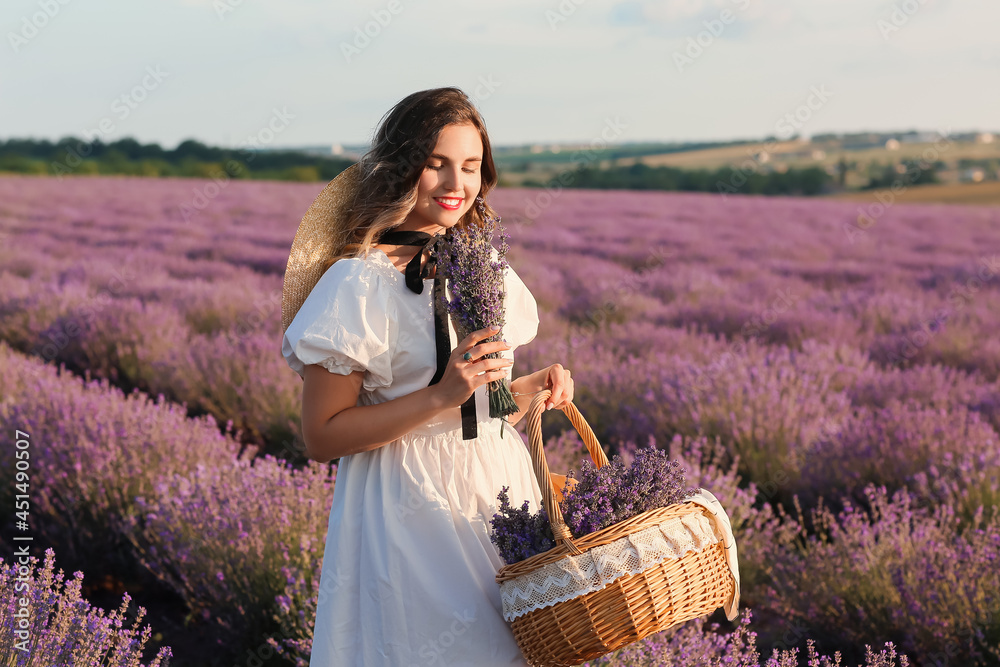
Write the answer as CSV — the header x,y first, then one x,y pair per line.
x,y
415,281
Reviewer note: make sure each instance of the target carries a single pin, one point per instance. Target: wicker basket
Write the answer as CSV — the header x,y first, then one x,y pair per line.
x,y
632,606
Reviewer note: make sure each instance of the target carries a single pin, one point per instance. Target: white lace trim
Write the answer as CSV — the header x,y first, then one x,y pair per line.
x,y
573,576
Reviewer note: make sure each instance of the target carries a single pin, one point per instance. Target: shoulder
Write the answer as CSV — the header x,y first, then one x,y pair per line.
x,y
354,274
347,323
352,286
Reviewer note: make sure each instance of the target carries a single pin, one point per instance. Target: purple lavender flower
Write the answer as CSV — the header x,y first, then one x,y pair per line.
x,y
616,492
60,626
602,497
519,534
476,282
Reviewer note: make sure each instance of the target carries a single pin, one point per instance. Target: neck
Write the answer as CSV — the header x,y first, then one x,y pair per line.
x,y
425,228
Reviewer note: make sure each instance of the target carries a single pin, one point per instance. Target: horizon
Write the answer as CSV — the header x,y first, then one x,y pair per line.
x,y
547,145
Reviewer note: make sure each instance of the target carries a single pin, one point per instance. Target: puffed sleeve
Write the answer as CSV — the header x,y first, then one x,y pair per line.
x,y
521,311
347,323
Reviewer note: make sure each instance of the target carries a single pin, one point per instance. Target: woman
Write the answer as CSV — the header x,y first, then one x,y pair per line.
x,y
408,571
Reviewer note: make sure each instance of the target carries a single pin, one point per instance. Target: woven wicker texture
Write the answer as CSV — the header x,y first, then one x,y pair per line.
x,y
319,235
629,608
573,576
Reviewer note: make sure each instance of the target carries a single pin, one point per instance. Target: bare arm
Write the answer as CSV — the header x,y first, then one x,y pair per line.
x,y
527,386
333,425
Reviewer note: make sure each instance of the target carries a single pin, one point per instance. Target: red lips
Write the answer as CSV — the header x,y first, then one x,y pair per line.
x,y
446,206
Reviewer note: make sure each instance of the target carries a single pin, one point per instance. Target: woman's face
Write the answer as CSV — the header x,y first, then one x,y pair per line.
x,y
450,181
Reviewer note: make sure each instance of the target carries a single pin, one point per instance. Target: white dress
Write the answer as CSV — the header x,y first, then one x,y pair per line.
x,y
408,570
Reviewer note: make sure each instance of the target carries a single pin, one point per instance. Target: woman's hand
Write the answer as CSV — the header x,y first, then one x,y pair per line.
x,y
462,377
555,378
559,381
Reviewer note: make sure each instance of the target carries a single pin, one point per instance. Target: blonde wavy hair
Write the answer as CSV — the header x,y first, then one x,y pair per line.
x,y
390,170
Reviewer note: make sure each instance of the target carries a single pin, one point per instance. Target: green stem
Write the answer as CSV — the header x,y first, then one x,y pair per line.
x,y
502,402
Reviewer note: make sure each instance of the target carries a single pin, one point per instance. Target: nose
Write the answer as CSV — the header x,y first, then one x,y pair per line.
x,y
451,178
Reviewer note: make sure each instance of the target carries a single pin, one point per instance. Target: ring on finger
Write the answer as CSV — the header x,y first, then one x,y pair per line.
x,y
467,356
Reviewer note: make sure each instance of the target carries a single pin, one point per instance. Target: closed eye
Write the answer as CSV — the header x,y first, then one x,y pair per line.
x,y
468,171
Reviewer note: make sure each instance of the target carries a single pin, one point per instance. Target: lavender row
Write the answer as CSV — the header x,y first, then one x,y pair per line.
x,y
96,449
823,421
666,381
123,477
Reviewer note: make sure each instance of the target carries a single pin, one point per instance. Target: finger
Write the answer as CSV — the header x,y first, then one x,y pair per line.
x,y
567,397
494,346
477,336
562,390
492,364
483,349
477,352
490,375
564,383
556,398
488,365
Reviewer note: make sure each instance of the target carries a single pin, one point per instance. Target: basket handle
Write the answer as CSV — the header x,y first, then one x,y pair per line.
x,y
597,455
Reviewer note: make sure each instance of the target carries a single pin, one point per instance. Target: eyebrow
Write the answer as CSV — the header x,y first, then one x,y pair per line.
x,y
445,158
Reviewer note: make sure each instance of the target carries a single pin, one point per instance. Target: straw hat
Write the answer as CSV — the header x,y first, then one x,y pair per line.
x,y
320,234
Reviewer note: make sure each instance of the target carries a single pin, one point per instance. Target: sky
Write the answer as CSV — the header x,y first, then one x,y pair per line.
x,y
306,72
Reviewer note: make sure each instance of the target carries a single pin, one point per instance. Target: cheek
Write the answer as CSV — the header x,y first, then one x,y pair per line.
x,y
426,184
471,192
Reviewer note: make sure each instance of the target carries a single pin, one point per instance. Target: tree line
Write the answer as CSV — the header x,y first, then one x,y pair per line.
x,y
72,156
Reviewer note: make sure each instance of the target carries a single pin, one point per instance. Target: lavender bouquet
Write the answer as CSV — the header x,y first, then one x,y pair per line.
x,y
476,280
602,497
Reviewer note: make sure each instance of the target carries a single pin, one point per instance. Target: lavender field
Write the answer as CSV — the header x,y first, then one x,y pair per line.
x,y
829,370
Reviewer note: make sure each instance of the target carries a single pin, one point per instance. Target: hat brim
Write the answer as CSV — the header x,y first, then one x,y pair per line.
x,y
319,235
